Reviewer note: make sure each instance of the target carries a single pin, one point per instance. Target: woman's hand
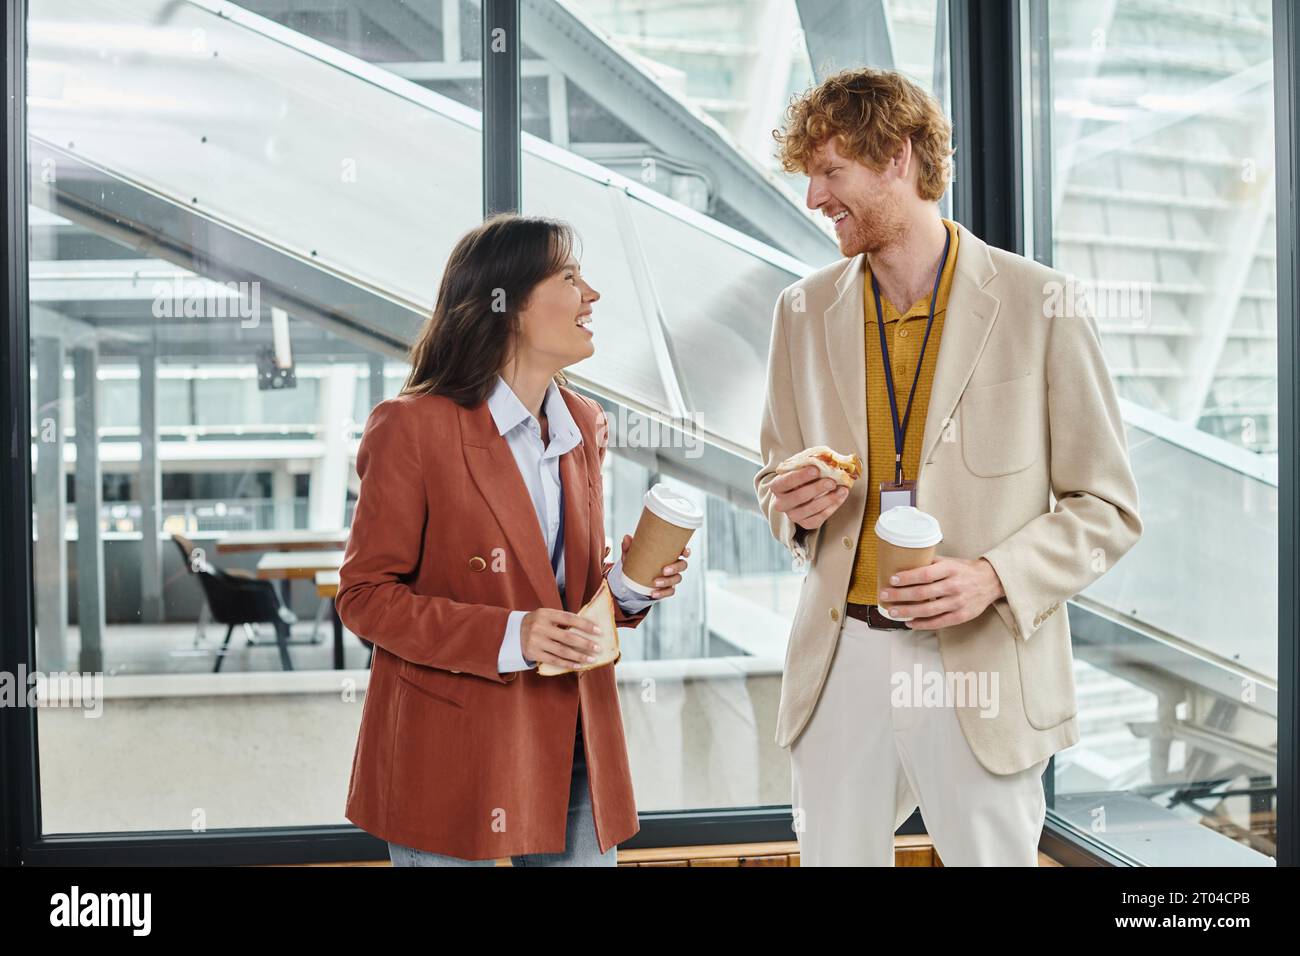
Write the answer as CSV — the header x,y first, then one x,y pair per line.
x,y
666,584
551,636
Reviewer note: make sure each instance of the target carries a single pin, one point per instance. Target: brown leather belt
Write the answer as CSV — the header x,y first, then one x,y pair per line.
x,y
871,614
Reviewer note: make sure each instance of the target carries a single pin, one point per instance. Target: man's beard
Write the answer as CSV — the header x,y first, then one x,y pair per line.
x,y
872,232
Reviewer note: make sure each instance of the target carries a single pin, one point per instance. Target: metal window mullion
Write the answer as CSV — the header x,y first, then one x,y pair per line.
x,y
986,112
502,140
19,770
1286,74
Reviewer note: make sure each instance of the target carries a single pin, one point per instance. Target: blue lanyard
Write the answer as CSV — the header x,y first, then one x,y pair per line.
x,y
900,431
557,552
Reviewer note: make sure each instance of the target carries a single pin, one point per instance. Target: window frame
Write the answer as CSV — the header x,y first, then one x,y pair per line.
x,y
985,43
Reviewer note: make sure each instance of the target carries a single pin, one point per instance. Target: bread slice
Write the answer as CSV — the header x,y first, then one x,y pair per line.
x,y
599,609
842,469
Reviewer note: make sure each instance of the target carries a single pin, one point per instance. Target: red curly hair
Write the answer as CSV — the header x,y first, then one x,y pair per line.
x,y
870,112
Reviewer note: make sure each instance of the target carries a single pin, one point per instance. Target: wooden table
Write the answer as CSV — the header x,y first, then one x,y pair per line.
x,y
327,586
236,542
300,540
286,566
297,565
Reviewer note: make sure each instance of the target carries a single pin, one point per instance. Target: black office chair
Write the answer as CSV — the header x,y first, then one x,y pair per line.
x,y
194,558
191,556
236,598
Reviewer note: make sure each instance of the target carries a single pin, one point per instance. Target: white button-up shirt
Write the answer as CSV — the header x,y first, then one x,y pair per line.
x,y
539,465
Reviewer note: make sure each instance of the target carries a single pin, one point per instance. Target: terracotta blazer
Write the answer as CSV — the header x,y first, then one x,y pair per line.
x,y
452,756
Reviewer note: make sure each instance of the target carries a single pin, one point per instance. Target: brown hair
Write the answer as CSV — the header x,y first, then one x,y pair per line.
x,y
489,276
870,112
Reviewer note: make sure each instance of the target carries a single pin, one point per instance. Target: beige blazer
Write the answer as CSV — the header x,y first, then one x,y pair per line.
x,y
1023,461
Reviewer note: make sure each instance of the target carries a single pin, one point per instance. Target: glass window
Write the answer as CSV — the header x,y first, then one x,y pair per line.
x,y
660,152
208,188
1159,201
236,217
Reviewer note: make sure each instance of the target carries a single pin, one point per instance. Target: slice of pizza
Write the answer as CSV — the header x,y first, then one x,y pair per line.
x,y
842,469
600,609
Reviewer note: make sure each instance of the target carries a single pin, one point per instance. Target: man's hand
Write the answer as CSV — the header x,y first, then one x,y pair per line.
x,y
945,592
807,498
666,584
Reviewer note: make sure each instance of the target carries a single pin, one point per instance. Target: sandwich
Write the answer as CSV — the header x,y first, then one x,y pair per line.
x,y
842,469
600,609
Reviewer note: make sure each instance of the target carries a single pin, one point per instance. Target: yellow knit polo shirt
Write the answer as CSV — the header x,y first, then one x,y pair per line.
x,y
904,335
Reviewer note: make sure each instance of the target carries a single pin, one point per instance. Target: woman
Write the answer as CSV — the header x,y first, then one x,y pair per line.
x,y
478,532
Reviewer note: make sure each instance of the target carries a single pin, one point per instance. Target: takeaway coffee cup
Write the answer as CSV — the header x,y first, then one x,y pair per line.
x,y
905,539
667,522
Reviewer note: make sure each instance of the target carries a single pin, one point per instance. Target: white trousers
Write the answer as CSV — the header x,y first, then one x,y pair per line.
x,y
865,761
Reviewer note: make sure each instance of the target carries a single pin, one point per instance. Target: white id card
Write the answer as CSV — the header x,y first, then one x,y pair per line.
x,y
895,494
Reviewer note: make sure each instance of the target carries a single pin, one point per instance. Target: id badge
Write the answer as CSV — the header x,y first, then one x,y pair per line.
x,y
896,493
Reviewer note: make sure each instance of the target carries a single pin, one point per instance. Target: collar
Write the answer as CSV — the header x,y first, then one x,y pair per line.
x,y
508,412
920,308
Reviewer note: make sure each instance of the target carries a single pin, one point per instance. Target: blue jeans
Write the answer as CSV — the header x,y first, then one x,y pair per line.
x,y
580,846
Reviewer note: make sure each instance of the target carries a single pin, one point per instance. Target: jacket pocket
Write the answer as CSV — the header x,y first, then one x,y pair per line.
x,y
434,682
1047,676
1001,426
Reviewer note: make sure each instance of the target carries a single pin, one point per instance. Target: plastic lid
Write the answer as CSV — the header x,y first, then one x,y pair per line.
x,y
908,527
672,507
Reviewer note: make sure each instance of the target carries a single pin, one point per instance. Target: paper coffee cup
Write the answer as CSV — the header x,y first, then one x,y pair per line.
x,y
905,539
667,522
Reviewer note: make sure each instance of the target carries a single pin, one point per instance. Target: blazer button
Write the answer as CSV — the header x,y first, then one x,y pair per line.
x,y
835,614
848,542
476,563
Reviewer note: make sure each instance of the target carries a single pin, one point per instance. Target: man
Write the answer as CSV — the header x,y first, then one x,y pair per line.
x,y
958,704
